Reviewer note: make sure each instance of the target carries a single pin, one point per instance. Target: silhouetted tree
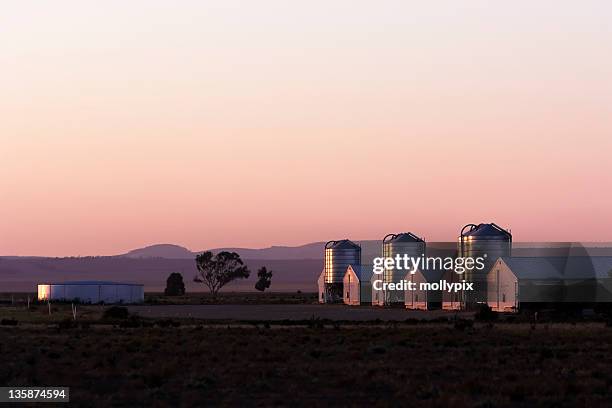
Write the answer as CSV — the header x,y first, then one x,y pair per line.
x,y
265,279
216,271
175,285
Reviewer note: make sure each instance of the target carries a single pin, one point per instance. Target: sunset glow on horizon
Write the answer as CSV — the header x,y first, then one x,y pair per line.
x,y
250,124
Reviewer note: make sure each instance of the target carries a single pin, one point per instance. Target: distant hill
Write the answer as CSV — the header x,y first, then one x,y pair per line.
x,y
308,251
295,268
169,251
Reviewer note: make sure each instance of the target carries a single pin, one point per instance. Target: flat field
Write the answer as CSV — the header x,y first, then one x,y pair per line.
x,y
233,298
196,298
274,312
419,364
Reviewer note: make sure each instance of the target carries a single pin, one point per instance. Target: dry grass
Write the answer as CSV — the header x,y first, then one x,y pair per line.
x,y
421,365
233,298
39,313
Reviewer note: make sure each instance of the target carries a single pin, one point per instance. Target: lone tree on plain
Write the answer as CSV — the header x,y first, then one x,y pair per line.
x,y
175,285
265,279
216,271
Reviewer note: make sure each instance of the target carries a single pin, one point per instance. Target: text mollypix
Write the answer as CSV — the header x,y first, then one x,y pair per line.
x,y
442,285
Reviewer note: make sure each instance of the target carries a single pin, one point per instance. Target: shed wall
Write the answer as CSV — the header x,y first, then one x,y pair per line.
x,y
416,299
92,293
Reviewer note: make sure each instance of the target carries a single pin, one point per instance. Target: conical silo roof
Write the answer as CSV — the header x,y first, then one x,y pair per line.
x,y
343,244
405,237
488,232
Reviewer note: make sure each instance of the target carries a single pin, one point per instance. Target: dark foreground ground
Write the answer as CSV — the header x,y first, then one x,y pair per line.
x,y
425,364
288,312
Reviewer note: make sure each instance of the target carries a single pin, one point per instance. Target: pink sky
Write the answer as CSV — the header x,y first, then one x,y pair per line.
x,y
228,123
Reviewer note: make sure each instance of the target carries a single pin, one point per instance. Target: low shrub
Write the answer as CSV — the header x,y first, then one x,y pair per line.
x,y
116,312
131,323
167,323
485,314
8,322
462,324
67,324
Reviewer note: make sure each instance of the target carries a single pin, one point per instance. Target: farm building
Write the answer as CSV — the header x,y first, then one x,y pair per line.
x,y
404,244
415,298
419,298
530,279
587,279
321,285
378,295
351,285
513,281
356,285
452,300
92,292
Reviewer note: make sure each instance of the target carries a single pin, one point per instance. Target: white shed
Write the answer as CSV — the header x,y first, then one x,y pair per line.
x,y
415,298
452,300
356,285
321,284
92,292
378,295
587,279
512,280
351,287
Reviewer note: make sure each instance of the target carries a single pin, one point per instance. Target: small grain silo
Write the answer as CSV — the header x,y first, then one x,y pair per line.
x,y
401,244
487,241
339,255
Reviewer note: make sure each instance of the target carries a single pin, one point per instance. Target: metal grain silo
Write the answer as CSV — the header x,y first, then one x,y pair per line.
x,y
338,256
402,244
488,241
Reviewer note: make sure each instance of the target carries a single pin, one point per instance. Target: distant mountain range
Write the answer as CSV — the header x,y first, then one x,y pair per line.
x,y
369,250
169,251
295,268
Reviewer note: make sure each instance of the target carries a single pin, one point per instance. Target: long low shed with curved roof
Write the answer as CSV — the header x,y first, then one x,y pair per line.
x,y
92,292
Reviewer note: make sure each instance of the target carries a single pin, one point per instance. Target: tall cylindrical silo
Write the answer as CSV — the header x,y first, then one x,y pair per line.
x,y
488,241
402,244
339,255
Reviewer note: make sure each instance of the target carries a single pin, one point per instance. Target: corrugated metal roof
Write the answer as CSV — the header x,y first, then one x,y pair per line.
x,y
431,275
363,272
536,267
488,231
91,283
342,244
570,267
588,267
406,237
